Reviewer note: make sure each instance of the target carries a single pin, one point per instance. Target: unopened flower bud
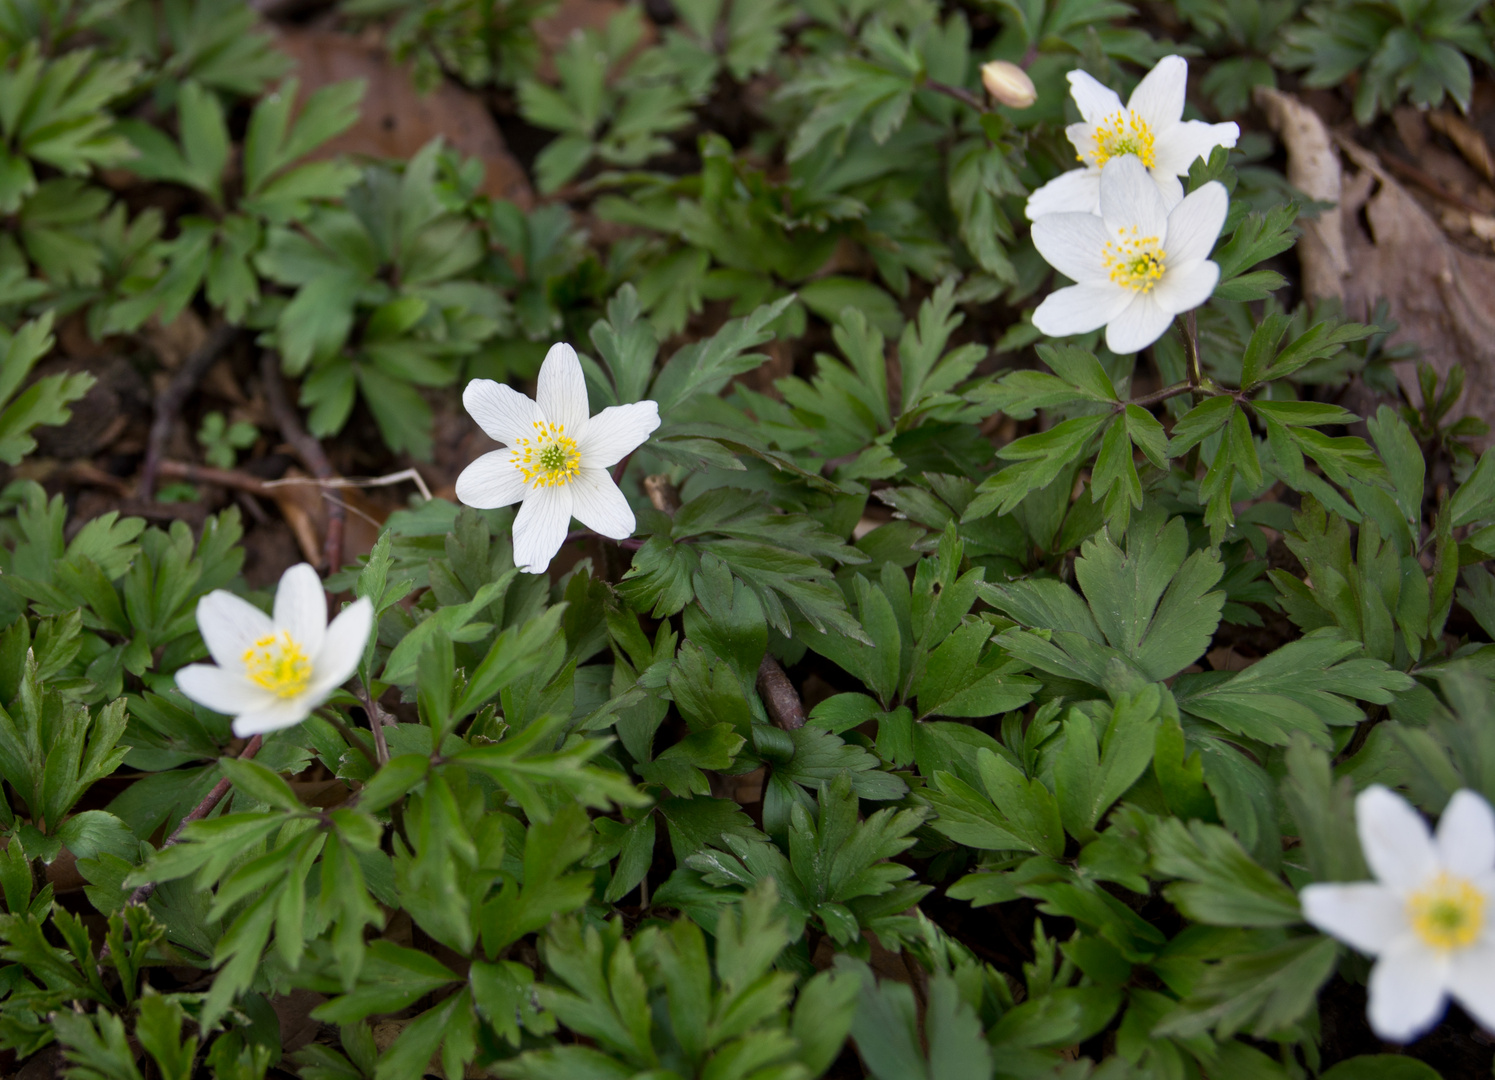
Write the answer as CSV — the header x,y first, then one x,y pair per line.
x,y
1008,84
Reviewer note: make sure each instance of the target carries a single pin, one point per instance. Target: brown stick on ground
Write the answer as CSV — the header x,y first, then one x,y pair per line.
x,y
779,696
232,479
169,404
200,811
307,448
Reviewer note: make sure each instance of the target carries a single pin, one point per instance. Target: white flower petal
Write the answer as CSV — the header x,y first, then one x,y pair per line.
x,y
222,690
1082,137
1080,308
301,607
1364,914
562,390
1194,224
1185,287
1141,323
1471,980
1072,244
1466,836
600,506
1096,100
503,412
616,432
1407,987
1073,192
1129,198
342,650
540,527
491,481
1395,840
286,712
1177,149
1159,97
1168,187
229,625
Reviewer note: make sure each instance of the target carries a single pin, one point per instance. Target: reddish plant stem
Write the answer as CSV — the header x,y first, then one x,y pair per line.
x,y
232,479
960,94
308,449
169,403
1158,396
209,802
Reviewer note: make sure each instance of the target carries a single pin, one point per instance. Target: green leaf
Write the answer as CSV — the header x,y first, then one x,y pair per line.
x,y
1263,992
1381,1067
1029,809
1087,781
1222,885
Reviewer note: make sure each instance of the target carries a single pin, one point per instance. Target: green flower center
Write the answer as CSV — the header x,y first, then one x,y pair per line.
x,y
1135,262
549,458
1449,913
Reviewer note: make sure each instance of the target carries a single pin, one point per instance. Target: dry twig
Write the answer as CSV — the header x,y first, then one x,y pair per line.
x,y
198,812
307,448
169,404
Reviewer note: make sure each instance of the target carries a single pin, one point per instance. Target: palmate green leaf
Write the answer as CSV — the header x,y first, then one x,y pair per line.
x,y
219,43
393,978
1088,777
1040,458
705,366
1307,685
782,566
1153,606
886,1030
1259,236
1221,885
96,1046
523,764
45,401
551,851
1261,992
53,111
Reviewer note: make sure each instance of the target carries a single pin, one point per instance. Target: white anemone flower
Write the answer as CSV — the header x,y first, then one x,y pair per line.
x,y
1136,265
1427,916
273,670
555,458
1150,127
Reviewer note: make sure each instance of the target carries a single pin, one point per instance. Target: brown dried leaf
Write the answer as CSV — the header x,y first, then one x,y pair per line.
x,y
1313,168
1470,142
1442,297
397,120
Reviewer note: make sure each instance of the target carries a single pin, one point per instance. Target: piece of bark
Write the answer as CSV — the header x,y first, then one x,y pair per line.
x,y
1313,168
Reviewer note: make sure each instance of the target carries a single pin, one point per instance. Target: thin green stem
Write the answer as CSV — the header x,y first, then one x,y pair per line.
x,y
1191,350
347,733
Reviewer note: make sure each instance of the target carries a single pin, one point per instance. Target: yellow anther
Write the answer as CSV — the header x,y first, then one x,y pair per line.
x,y
551,458
1135,262
1122,133
278,663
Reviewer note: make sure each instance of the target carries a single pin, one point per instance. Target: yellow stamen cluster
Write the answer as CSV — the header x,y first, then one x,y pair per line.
x,y
549,458
278,663
1449,913
1135,262
1122,133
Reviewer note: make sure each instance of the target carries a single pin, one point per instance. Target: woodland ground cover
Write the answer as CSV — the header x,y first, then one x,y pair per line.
x,y
578,539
